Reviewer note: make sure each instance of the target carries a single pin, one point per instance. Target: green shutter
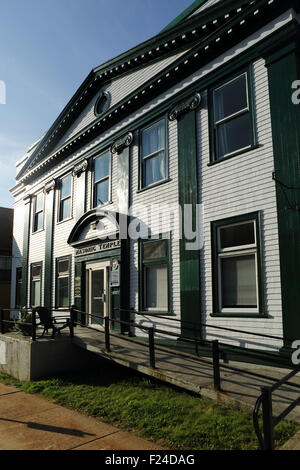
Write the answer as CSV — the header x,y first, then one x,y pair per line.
x,y
187,185
283,69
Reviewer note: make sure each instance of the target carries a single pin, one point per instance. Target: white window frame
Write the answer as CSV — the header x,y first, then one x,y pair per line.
x,y
153,154
232,252
35,213
34,279
66,274
109,177
60,199
232,116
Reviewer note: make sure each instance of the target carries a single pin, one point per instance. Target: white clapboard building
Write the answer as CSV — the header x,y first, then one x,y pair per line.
x,y
167,190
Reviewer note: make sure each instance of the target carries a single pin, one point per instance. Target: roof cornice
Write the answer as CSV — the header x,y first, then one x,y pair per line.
x,y
222,32
160,46
183,15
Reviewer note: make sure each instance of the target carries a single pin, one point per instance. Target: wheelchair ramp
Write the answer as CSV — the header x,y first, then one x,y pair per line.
x,y
192,373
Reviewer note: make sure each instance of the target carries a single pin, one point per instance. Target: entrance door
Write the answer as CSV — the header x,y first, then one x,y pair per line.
x,y
97,286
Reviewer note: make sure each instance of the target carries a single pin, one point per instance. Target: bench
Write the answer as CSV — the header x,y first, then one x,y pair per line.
x,y
49,322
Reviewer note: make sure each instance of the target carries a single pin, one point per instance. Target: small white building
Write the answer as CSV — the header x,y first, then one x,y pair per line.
x,y
169,184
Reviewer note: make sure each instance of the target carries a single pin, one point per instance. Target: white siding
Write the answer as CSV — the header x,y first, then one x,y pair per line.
x,y
36,253
17,246
60,246
239,186
157,197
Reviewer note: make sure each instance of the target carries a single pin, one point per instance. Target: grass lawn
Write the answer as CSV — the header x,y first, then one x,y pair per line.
x,y
159,412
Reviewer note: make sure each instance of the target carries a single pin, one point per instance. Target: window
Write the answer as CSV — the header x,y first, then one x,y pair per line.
x,y
232,111
65,198
101,179
18,287
236,266
154,272
38,215
36,284
63,282
153,154
102,103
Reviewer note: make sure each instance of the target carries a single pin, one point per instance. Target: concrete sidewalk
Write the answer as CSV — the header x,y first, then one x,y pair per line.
x,y
29,422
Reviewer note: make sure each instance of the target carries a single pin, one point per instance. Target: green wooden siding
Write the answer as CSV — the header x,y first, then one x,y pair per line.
x,y
187,186
283,69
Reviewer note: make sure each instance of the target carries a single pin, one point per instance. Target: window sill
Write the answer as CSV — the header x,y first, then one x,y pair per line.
x,y
101,206
154,185
155,313
38,231
64,220
239,315
228,157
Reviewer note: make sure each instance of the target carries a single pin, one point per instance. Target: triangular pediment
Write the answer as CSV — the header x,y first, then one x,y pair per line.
x,y
80,112
118,89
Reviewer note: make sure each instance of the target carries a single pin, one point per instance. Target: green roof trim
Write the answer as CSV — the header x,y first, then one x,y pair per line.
x,y
188,11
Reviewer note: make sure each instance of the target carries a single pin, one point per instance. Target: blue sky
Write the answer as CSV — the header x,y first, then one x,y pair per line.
x,y
48,47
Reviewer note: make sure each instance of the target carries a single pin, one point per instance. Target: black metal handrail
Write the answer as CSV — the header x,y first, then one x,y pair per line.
x,y
214,345
204,325
266,440
197,340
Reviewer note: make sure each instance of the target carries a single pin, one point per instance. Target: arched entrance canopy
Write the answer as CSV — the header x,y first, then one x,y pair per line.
x,y
90,217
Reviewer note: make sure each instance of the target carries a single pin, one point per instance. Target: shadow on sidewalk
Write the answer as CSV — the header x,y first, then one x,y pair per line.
x,y
46,427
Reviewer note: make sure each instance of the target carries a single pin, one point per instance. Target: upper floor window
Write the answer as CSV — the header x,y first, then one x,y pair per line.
x,y
38,212
153,154
102,179
232,111
65,198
